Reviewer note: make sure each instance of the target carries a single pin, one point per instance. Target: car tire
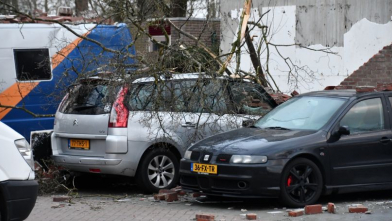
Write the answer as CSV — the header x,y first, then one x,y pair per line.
x,y
159,169
2,209
301,183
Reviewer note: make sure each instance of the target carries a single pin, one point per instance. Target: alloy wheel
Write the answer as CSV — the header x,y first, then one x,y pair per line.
x,y
161,171
301,183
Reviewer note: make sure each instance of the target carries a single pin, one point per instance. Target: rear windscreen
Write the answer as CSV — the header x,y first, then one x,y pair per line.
x,y
90,98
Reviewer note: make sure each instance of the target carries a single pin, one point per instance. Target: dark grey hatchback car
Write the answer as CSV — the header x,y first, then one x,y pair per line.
x,y
316,143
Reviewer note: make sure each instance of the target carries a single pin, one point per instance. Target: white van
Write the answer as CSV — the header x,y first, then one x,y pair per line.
x,y
18,189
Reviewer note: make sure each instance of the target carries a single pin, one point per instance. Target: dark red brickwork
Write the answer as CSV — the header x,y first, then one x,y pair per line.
x,y
377,72
207,31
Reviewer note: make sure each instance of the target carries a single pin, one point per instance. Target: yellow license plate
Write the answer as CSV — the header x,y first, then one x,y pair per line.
x,y
204,168
81,144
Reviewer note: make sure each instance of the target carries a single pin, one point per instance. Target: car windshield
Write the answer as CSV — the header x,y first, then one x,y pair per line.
x,y
302,113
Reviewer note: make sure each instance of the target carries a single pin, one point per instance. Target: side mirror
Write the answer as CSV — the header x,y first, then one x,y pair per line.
x,y
344,130
248,123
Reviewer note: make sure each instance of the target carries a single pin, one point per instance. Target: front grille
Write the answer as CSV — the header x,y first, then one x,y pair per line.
x,y
195,155
188,180
204,183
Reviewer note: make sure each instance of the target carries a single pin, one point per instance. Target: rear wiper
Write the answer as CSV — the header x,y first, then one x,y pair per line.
x,y
84,107
278,128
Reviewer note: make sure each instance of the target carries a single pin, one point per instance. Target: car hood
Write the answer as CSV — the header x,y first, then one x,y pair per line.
x,y
248,141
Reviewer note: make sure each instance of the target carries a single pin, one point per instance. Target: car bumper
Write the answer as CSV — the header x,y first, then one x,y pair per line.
x,y
19,198
245,181
95,165
105,157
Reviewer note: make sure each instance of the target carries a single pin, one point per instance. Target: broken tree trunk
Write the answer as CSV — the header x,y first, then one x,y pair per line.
x,y
255,60
257,66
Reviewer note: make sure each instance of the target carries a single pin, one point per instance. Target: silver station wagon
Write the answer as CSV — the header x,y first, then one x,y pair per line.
x,y
142,129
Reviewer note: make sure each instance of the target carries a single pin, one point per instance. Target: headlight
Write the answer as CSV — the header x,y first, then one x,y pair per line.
x,y
187,155
248,159
24,149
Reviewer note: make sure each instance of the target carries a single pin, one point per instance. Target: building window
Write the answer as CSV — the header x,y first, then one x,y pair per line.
x,y
32,64
156,47
161,39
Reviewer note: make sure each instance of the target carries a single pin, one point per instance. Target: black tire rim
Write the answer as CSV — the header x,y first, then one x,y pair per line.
x,y
301,183
161,171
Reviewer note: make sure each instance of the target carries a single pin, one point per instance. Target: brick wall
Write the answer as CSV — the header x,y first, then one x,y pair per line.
x,y
200,28
141,44
208,31
376,72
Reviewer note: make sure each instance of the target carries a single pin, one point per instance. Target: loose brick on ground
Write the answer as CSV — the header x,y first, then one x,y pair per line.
x,y
313,209
296,213
177,188
170,197
251,216
61,198
181,193
358,209
162,191
205,217
196,194
160,196
331,207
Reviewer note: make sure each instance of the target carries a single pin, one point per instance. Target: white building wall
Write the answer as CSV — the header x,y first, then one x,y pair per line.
x,y
316,69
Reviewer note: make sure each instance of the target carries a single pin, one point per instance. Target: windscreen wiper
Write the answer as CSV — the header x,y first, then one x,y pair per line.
x,y
277,128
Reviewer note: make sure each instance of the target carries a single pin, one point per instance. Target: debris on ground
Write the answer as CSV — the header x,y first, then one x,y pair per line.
x,y
95,208
53,179
205,217
61,198
179,191
251,216
159,196
358,208
170,197
196,194
123,200
57,205
295,213
275,212
313,209
331,207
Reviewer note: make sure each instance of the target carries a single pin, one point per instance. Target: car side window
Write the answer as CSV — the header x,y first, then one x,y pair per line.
x,y
390,100
247,98
365,116
198,96
149,97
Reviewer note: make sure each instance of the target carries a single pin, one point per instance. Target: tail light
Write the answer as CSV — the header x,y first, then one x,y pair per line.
x,y
119,113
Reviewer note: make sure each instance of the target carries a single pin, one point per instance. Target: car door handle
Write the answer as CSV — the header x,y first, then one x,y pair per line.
x,y
188,124
385,140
